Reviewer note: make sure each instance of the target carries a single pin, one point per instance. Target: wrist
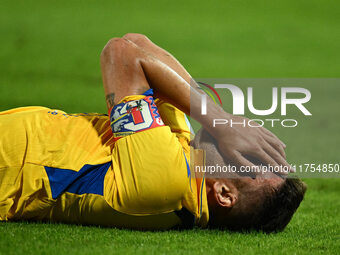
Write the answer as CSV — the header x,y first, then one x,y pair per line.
x,y
217,123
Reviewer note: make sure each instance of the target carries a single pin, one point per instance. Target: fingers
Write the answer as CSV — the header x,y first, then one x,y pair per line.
x,y
239,160
268,133
277,157
273,158
268,156
275,144
265,158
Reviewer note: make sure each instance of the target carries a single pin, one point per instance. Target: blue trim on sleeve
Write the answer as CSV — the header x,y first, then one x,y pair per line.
x,y
149,92
201,195
188,170
188,167
89,179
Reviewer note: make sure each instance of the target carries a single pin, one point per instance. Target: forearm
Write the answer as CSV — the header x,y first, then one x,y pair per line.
x,y
161,54
173,88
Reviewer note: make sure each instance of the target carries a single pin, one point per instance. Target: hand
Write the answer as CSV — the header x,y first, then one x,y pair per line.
x,y
237,142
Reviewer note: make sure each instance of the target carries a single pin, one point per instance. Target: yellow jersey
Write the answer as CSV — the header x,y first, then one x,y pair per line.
x,y
71,168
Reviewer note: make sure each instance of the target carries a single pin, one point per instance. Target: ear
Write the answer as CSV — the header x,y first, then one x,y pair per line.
x,y
223,195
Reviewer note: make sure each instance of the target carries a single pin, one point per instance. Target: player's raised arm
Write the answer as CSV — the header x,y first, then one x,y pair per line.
x,y
129,70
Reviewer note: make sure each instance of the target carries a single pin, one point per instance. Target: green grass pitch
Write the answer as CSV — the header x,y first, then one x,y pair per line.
x,y
49,56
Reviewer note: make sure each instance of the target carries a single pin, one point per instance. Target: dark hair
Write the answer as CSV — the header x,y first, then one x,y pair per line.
x,y
276,210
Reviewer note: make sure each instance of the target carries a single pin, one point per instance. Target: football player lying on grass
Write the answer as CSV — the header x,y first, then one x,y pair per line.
x,y
132,169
